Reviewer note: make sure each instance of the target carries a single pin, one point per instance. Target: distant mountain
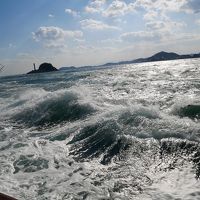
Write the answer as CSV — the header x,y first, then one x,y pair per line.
x,y
161,56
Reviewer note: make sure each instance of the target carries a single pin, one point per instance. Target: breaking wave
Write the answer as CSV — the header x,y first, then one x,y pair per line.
x,y
191,111
109,139
50,109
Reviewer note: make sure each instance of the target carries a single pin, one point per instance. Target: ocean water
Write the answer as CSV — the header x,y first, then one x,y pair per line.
x,y
127,132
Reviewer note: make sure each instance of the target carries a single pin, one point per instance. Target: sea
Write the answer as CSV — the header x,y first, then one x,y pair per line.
x,y
126,132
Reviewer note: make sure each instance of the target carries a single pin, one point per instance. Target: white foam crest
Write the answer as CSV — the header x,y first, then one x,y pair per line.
x,y
30,98
175,184
181,101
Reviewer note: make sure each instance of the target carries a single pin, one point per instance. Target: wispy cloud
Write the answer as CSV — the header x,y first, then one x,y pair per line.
x,y
137,36
96,25
55,37
151,15
161,5
55,33
51,16
188,6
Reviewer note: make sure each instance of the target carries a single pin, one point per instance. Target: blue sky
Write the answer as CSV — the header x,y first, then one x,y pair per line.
x,y
90,32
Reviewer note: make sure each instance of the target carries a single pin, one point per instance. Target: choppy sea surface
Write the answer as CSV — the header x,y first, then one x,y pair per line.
x,y
128,132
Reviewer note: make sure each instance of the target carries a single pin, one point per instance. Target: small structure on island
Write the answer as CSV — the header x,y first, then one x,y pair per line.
x,y
34,67
44,67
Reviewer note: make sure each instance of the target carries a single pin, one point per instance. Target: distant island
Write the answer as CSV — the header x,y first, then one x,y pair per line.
x,y
44,67
161,56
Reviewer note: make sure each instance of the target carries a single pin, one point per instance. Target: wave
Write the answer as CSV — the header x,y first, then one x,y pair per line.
x,y
51,109
94,140
187,107
175,152
190,111
137,131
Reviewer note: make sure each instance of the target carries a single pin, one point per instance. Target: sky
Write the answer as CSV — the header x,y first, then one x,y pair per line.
x,y
92,32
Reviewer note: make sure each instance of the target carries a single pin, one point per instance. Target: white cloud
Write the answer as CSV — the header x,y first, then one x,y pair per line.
x,y
71,12
54,33
80,40
55,38
158,22
114,9
188,6
162,30
162,5
118,8
96,25
51,16
155,31
150,15
95,6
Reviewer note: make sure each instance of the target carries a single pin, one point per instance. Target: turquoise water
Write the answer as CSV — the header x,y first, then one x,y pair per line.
x,y
126,132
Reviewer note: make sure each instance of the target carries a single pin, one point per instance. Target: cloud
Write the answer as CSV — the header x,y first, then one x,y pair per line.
x,y
80,40
150,15
155,31
162,5
54,33
24,55
51,16
138,35
55,38
95,6
71,12
162,30
114,9
54,45
118,8
164,26
188,6
96,25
